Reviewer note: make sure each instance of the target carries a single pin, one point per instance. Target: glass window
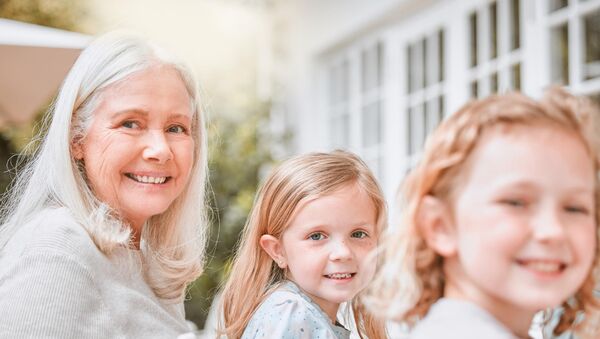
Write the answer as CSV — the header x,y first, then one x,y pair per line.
x,y
493,31
440,57
591,46
515,24
379,66
559,59
557,4
474,89
433,115
340,126
425,72
416,67
494,83
515,76
371,120
473,30
417,128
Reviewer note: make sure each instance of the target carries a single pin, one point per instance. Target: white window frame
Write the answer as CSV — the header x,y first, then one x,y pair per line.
x,y
505,59
572,15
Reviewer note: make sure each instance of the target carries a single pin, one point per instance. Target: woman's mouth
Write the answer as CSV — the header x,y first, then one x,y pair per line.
x,y
144,179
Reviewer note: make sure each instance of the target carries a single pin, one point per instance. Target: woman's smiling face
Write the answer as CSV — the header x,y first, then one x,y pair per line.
x,y
138,151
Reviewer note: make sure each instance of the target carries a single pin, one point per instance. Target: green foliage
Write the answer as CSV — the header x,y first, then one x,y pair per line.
x,y
238,152
63,14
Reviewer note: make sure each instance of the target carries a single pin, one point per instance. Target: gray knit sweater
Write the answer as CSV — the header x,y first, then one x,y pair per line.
x,y
55,283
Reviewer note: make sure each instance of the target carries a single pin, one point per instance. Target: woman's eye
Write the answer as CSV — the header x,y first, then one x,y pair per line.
x,y
359,234
130,124
316,236
176,129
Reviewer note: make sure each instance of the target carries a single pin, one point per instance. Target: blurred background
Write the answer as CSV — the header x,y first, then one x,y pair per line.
x,y
282,77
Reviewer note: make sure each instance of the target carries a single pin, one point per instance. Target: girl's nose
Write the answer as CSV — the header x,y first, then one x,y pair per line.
x,y
340,251
548,226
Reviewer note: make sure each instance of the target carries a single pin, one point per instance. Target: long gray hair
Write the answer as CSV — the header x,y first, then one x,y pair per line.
x,y
173,242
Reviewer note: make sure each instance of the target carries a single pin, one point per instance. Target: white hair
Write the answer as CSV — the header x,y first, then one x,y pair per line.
x,y
173,242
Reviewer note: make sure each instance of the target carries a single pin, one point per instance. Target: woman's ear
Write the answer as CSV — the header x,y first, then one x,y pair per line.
x,y
434,222
77,148
274,249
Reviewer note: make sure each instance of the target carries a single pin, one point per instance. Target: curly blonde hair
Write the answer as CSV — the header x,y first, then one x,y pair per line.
x,y
411,278
254,273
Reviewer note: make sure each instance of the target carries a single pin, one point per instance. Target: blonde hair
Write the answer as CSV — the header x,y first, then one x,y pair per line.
x,y
254,274
173,242
411,278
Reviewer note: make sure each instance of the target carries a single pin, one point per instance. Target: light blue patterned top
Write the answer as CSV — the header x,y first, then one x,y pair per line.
x,y
288,313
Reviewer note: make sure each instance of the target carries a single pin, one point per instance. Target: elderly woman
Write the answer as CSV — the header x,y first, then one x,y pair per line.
x,y
105,228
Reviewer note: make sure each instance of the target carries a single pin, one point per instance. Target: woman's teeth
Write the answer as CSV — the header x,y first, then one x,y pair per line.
x,y
146,179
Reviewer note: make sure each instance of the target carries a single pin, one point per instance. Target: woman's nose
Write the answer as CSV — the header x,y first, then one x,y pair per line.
x,y
157,148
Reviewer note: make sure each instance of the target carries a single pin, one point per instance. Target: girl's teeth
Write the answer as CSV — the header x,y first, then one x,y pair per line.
x,y
340,276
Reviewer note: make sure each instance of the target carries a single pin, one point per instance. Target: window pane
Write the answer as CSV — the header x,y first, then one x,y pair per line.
x,y
340,126
364,65
379,64
474,89
591,27
371,122
557,4
410,69
515,41
515,73
441,54
409,131
423,62
493,31
416,128
332,85
441,106
473,30
494,83
559,42
371,68
432,117
427,66
416,66
345,81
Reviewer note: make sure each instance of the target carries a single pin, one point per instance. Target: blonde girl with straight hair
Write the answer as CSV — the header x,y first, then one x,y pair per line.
x,y
499,221
71,263
303,249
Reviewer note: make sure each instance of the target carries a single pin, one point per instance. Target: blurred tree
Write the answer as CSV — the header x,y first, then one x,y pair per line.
x,y
238,155
63,14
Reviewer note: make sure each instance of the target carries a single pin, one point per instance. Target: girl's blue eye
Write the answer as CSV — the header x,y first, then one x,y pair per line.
x,y
359,234
316,236
176,129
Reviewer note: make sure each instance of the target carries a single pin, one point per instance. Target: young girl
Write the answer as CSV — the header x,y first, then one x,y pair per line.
x,y
303,250
499,222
